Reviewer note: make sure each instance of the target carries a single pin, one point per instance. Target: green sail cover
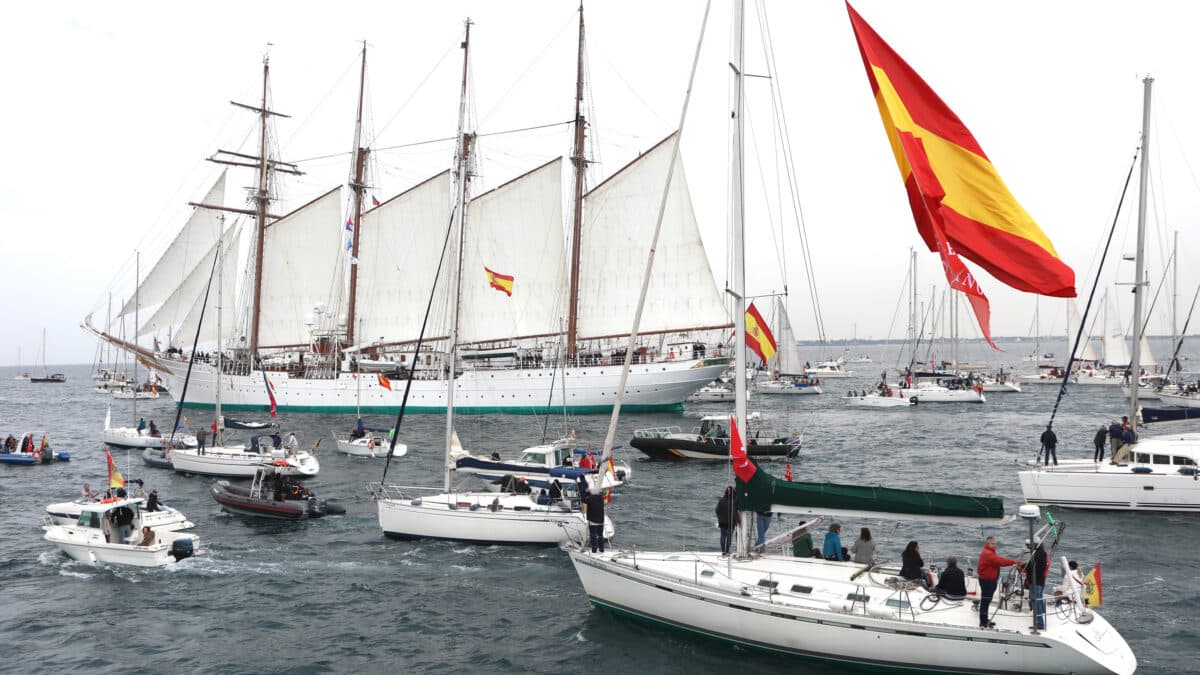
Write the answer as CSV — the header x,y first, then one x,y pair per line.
x,y
764,491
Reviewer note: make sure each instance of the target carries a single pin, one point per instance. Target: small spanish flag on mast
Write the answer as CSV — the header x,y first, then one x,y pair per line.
x,y
500,282
115,479
758,335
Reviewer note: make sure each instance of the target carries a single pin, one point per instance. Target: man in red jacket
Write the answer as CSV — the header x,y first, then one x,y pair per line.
x,y
988,570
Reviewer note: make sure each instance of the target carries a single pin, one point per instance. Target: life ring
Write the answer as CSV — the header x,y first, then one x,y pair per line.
x,y
279,462
914,400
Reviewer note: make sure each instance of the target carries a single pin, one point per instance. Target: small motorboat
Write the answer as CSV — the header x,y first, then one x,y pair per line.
x,y
162,518
94,538
26,453
158,458
711,441
273,495
536,464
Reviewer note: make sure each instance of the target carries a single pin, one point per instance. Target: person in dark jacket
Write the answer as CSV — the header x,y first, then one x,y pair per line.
x,y
123,518
594,507
1101,437
152,501
912,567
1114,437
1037,583
1049,444
952,583
727,518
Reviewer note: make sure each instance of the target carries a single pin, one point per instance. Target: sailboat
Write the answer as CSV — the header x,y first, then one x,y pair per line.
x,y
47,376
788,374
364,441
21,375
1115,360
848,614
467,515
933,386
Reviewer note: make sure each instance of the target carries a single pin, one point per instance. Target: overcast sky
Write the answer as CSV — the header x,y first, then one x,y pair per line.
x,y
113,108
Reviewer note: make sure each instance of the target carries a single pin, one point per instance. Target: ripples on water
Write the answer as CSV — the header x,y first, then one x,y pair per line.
x,y
335,595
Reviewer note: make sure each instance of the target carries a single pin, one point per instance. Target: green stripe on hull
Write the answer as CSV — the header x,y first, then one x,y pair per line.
x,y
458,410
857,665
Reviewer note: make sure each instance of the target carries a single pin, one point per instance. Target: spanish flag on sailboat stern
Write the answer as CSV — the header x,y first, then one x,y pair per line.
x,y
959,202
500,282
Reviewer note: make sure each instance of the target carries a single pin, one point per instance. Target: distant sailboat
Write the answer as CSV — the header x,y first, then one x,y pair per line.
x,y
47,376
22,375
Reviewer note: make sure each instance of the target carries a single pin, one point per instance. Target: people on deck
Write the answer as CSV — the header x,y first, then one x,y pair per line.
x,y
1076,576
831,548
292,442
952,583
586,462
141,424
912,567
555,491
593,506
123,518
201,439
762,520
152,503
147,537
495,455
727,518
863,550
1037,583
276,440
1114,437
988,571
358,433
154,430
1098,441
10,445
802,544
1049,445
86,493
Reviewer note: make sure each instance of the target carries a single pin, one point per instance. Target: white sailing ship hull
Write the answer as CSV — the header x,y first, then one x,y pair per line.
x,y
236,463
830,373
1041,379
590,389
1087,485
1093,379
693,592
430,517
130,395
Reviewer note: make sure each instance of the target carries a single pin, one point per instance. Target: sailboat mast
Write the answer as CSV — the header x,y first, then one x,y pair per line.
x,y
1140,263
580,165
261,197
137,279
220,310
912,308
1172,366
737,214
360,158
462,176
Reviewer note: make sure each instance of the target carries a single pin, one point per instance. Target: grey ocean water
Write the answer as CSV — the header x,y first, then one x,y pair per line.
x,y
334,595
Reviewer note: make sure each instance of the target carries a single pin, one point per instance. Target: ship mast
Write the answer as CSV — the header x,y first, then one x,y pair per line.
x,y
580,165
360,158
1140,267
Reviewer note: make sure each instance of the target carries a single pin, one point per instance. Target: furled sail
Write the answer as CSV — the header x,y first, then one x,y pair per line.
x,y
1088,351
1116,352
788,357
301,256
184,337
515,230
400,244
619,218
195,241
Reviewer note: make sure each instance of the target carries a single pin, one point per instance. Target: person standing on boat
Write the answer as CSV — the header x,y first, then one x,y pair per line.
x,y
1101,437
1049,444
1114,438
292,443
152,501
123,517
1037,583
727,518
594,506
201,440
832,546
988,571
141,425
864,549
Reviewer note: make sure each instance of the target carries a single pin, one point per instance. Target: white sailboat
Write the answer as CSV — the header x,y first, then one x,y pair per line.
x,y
466,515
46,376
21,374
789,375
844,613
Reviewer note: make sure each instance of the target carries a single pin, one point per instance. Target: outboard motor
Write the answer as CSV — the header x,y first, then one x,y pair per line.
x,y
182,548
316,506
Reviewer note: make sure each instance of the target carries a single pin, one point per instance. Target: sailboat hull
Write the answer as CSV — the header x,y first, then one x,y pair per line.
x,y
468,517
590,389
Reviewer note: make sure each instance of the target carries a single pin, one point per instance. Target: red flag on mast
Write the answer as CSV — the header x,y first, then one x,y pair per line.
x,y
742,466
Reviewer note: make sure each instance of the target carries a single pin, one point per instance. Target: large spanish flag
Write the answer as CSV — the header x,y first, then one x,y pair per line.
x,y
1093,591
500,282
959,202
758,334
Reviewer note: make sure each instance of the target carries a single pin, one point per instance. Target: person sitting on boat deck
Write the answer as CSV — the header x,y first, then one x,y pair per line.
x,y
831,548
141,424
952,583
495,455
152,502
1098,441
863,550
1114,438
147,537
123,517
154,432
727,517
988,571
276,440
87,494
555,491
4,447
586,462
1049,444
567,461
358,433
1076,575
593,505
912,567
802,544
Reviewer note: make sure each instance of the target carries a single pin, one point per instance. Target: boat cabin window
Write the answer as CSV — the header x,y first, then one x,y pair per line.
x,y
768,583
708,573
858,597
1141,458
898,603
800,588
1184,461
89,519
704,427
1162,459
533,457
561,455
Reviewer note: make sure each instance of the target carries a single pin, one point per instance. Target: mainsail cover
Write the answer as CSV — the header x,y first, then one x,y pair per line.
x,y
196,240
1116,352
517,229
788,359
301,255
400,243
619,219
186,334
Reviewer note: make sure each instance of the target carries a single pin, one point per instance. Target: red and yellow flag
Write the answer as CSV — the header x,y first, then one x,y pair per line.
x,y
115,479
1093,589
758,334
384,382
500,282
959,202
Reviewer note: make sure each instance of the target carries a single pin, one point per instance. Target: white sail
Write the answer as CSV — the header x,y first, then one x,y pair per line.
x,y
1146,357
194,242
399,246
515,230
1116,352
1088,351
619,218
301,254
186,334
787,357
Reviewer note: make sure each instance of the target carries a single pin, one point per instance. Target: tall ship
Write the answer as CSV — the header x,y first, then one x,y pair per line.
x,y
333,294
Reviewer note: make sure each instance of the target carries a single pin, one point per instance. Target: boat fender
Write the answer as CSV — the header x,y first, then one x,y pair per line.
x,y
182,548
1142,469
914,400
881,611
474,507
416,502
63,456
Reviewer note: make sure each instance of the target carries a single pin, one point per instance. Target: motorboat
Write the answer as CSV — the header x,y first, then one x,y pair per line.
x,y
710,440
27,453
535,465
159,458
712,393
1179,399
163,518
1154,474
829,370
240,461
271,495
789,385
370,445
92,538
